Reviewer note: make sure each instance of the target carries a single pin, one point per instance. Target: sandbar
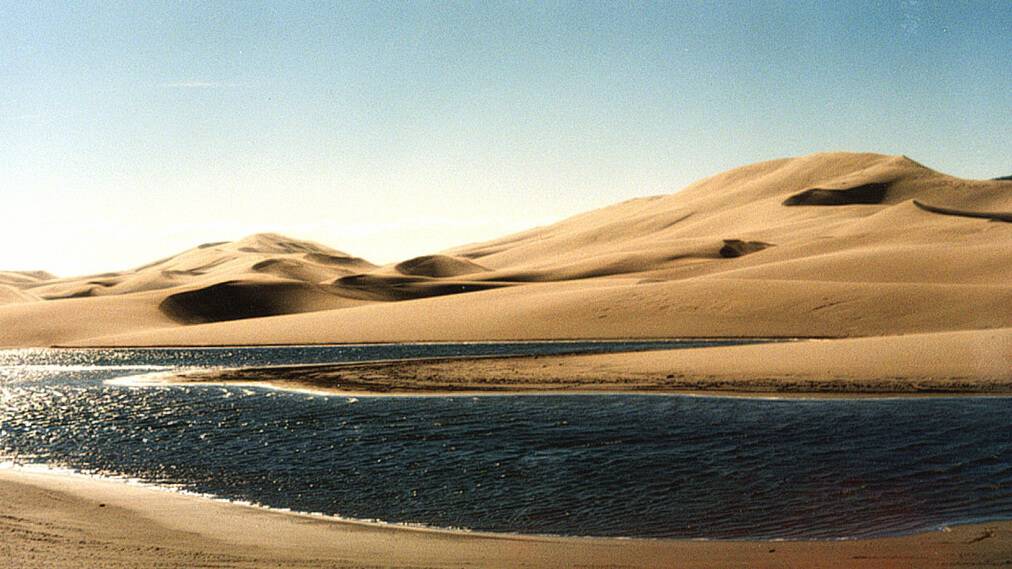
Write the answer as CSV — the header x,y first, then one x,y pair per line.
x,y
975,362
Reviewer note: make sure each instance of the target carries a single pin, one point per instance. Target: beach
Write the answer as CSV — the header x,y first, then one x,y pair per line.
x,y
969,363
58,521
877,276
490,285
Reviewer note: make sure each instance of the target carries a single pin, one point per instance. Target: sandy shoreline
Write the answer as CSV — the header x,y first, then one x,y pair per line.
x,y
55,521
830,245
953,363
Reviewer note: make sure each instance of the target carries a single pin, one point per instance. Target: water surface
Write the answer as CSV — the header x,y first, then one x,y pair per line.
x,y
603,465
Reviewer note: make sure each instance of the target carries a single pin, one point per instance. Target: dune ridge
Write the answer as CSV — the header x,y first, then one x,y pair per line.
x,y
829,245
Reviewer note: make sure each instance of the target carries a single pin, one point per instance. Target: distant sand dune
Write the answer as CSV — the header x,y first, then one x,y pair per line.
x,y
274,243
11,295
438,266
339,260
24,278
297,270
832,244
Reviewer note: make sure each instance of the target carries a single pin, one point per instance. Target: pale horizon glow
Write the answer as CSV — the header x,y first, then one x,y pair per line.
x,y
133,131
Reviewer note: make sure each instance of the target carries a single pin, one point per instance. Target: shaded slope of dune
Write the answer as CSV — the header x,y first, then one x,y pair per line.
x,y
386,288
236,300
870,193
737,248
993,216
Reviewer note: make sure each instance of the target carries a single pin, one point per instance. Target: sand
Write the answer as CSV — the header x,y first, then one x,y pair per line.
x,y
908,270
827,245
974,362
56,521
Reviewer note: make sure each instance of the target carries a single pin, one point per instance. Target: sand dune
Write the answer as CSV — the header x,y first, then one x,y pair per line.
x,y
10,295
213,263
837,244
54,322
602,308
260,275
438,266
24,278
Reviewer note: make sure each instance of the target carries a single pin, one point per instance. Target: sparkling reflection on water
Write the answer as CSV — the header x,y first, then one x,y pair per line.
x,y
608,465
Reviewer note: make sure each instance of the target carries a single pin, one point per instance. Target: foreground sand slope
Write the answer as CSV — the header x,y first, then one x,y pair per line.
x,y
56,522
836,244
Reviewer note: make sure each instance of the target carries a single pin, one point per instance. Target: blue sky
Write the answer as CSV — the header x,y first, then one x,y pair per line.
x,y
130,130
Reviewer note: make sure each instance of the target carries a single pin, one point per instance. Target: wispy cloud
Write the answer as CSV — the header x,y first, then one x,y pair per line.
x,y
27,117
46,116
196,84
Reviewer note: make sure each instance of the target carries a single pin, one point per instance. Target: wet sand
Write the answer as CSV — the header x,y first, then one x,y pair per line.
x,y
57,521
951,363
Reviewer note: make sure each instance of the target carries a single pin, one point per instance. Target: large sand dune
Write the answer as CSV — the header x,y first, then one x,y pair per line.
x,y
834,245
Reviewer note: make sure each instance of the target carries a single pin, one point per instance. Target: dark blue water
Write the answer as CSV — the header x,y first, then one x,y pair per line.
x,y
607,465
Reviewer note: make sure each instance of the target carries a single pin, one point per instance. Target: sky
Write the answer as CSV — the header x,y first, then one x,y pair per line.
x,y
134,130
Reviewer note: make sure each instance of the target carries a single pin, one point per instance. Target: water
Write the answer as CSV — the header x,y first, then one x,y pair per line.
x,y
602,465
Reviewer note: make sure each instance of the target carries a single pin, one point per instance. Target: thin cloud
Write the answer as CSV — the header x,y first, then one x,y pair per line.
x,y
37,118
27,117
193,84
